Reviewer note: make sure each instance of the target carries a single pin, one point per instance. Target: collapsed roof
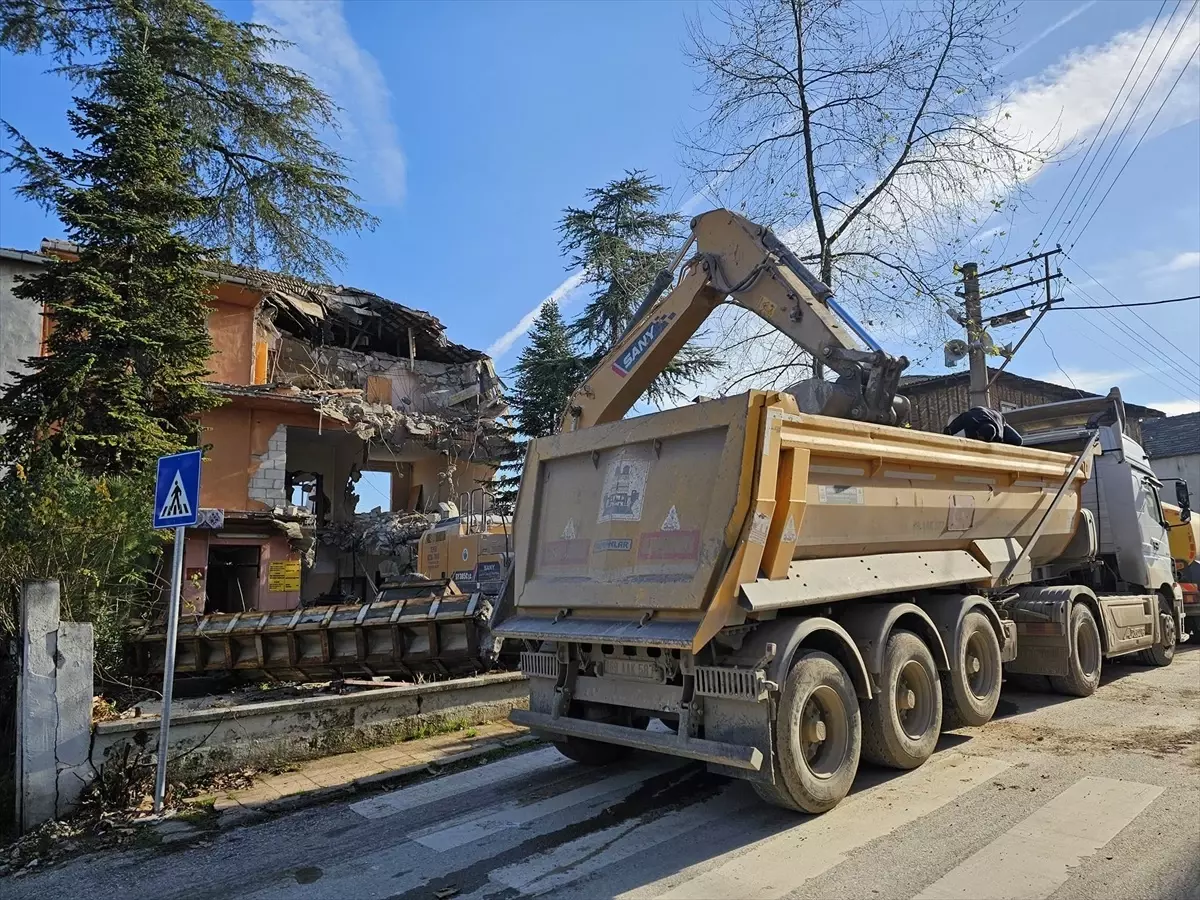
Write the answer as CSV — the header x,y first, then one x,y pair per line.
x,y
351,317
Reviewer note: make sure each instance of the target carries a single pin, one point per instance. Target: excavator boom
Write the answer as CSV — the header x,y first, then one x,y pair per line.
x,y
748,264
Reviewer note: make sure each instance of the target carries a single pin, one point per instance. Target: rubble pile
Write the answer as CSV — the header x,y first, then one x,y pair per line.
x,y
378,533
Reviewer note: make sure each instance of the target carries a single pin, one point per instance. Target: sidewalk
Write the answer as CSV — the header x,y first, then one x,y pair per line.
x,y
347,771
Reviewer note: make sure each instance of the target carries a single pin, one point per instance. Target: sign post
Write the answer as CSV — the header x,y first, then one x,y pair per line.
x,y
176,505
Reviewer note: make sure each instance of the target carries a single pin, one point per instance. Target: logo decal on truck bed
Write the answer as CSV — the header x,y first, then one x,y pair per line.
x,y
643,342
624,490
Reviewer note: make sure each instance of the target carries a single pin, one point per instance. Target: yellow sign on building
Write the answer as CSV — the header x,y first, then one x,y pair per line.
x,y
283,576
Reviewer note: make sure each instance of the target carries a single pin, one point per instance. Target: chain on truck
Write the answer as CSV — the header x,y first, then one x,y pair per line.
x,y
787,580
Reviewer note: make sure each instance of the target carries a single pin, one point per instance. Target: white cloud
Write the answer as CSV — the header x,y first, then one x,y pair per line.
x,y
1181,262
1176,407
324,49
1093,381
560,295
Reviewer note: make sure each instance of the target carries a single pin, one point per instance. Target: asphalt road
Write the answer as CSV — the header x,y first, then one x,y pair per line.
x,y
1080,798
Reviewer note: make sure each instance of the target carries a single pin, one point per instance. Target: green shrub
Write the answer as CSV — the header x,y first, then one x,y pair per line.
x,y
93,535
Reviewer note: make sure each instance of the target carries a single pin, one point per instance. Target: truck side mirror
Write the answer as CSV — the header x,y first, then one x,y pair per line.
x,y
1184,500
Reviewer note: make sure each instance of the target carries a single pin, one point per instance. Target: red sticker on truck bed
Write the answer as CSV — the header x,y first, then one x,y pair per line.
x,y
669,545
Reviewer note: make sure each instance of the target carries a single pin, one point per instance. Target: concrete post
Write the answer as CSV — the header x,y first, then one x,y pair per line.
x,y
54,708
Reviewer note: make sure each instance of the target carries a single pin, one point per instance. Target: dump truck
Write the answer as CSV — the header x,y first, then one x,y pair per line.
x,y
790,581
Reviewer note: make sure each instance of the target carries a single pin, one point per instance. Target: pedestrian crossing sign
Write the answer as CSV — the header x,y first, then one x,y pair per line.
x,y
177,490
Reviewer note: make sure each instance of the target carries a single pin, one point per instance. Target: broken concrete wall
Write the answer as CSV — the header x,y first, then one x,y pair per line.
x,y
412,385
54,708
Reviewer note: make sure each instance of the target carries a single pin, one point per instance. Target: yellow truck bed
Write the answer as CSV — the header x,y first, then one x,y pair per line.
x,y
661,530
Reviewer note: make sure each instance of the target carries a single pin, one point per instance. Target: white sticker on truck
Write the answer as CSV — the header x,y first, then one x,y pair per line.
x,y
624,490
759,528
840,493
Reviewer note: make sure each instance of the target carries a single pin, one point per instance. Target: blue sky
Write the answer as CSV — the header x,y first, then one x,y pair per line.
x,y
473,125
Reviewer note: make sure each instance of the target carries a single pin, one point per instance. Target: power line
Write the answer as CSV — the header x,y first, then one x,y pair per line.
x,y
1099,137
1120,351
1149,125
1109,305
1130,305
1070,217
1152,353
1166,340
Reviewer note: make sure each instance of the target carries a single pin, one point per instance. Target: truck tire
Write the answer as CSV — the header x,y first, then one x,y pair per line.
x,y
971,689
1162,652
902,722
818,736
589,752
1087,656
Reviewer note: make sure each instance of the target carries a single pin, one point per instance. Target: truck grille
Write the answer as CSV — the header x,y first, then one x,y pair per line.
x,y
539,665
733,684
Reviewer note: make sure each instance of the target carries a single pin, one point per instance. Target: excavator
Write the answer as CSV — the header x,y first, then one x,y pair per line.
x,y
786,581
745,263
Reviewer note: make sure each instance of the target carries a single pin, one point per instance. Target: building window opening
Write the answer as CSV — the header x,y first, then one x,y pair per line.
x,y
374,491
304,490
232,580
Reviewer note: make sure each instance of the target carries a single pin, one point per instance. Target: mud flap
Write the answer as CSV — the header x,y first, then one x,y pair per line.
x,y
744,723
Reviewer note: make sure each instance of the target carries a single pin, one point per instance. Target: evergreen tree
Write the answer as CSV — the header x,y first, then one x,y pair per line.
x,y
121,381
622,241
253,125
547,371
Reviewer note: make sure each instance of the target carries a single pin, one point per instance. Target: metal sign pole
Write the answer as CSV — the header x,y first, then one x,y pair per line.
x,y
164,728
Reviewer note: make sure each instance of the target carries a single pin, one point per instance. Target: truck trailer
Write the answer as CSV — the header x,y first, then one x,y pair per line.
x,y
790,580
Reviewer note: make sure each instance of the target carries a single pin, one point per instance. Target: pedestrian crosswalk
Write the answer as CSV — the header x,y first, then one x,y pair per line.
x,y
1035,856
582,832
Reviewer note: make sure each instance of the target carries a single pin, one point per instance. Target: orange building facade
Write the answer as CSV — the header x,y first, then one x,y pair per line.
x,y
322,386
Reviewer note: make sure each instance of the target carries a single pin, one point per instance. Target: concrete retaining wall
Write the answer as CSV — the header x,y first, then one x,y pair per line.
x,y
260,735
54,708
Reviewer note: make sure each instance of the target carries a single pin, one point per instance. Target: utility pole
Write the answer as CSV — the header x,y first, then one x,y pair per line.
x,y
978,341
977,391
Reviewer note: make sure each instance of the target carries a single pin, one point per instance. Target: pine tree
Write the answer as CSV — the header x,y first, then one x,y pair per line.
x,y
276,190
121,381
621,241
547,371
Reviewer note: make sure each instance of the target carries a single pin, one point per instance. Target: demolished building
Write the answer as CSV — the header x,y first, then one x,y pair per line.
x,y
322,384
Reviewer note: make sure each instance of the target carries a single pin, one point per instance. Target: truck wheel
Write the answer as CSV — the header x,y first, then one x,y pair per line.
x,y
589,752
1087,656
1163,652
818,735
599,753
971,689
902,722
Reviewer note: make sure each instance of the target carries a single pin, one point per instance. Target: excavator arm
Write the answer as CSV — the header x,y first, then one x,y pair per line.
x,y
748,264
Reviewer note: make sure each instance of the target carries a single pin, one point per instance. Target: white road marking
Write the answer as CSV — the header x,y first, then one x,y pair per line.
x,y
1034,857
460,783
595,852
783,862
516,814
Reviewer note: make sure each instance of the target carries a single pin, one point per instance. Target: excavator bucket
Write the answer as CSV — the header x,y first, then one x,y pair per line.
x,y
412,628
